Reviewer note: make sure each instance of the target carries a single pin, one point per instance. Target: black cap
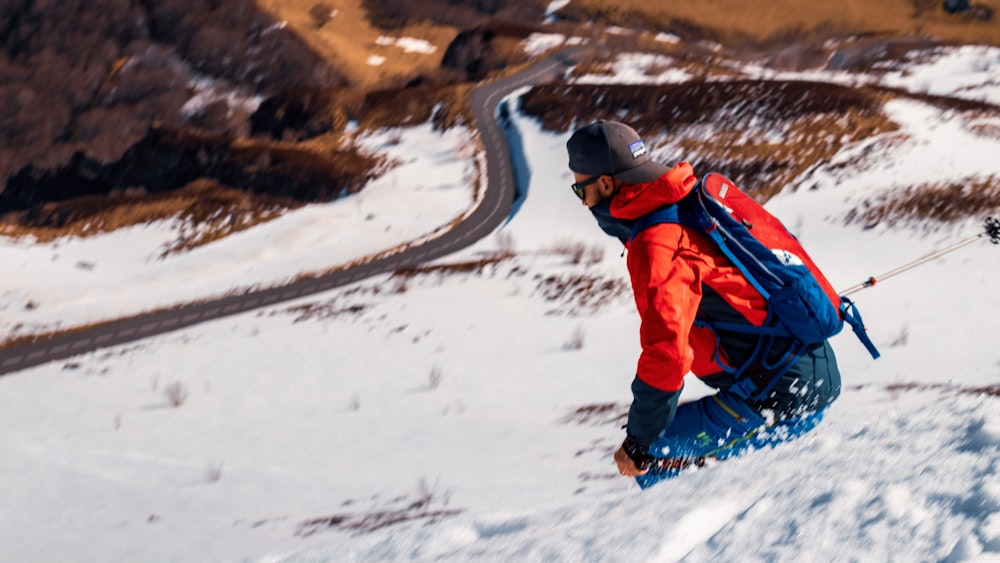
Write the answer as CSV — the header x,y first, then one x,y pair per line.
x,y
611,147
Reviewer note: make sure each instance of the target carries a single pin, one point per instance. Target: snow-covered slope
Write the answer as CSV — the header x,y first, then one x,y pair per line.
x,y
469,413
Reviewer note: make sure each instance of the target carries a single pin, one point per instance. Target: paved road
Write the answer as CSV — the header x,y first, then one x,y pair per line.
x,y
494,208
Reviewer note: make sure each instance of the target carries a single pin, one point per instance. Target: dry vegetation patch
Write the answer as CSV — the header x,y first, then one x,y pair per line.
x,y
206,211
430,505
475,267
762,134
575,294
443,105
319,119
598,414
991,130
896,389
946,202
217,185
325,311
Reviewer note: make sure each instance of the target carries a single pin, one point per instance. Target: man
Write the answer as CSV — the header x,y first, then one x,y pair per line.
x,y
681,281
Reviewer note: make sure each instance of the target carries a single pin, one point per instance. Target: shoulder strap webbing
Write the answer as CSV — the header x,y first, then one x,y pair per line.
x,y
667,214
851,316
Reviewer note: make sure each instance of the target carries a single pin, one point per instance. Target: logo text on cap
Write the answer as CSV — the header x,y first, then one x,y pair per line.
x,y
637,149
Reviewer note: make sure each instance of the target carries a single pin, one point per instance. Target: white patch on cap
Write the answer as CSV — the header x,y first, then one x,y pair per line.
x,y
637,148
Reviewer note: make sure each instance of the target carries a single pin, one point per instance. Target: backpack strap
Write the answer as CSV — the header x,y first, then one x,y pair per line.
x,y
692,211
707,226
852,316
724,240
666,214
747,386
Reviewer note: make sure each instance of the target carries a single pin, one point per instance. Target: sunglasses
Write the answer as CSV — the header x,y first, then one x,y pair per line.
x,y
578,187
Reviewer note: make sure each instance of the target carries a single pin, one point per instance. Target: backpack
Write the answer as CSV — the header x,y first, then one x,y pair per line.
x,y
802,305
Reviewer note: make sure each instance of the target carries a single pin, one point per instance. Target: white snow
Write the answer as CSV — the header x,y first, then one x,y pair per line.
x,y
538,44
460,389
207,91
667,38
425,190
970,72
639,68
556,5
407,44
551,10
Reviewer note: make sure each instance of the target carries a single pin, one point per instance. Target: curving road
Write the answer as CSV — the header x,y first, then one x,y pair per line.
x,y
494,208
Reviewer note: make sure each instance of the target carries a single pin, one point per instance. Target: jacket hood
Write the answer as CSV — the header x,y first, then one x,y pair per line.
x,y
635,200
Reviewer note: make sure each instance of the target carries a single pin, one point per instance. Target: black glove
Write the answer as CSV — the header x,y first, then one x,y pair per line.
x,y
637,453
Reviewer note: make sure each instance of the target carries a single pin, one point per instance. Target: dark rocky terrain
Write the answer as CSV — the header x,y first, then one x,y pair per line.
x,y
91,78
100,101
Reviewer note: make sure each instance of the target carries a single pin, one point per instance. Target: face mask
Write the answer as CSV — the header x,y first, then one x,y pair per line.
x,y
618,228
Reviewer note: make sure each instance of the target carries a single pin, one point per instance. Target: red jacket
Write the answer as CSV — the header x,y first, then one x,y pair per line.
x,y
672,268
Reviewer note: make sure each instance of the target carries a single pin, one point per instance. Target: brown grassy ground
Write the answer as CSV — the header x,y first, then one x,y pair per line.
x,y
209,210
763,22
815,120
349,41
221,186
